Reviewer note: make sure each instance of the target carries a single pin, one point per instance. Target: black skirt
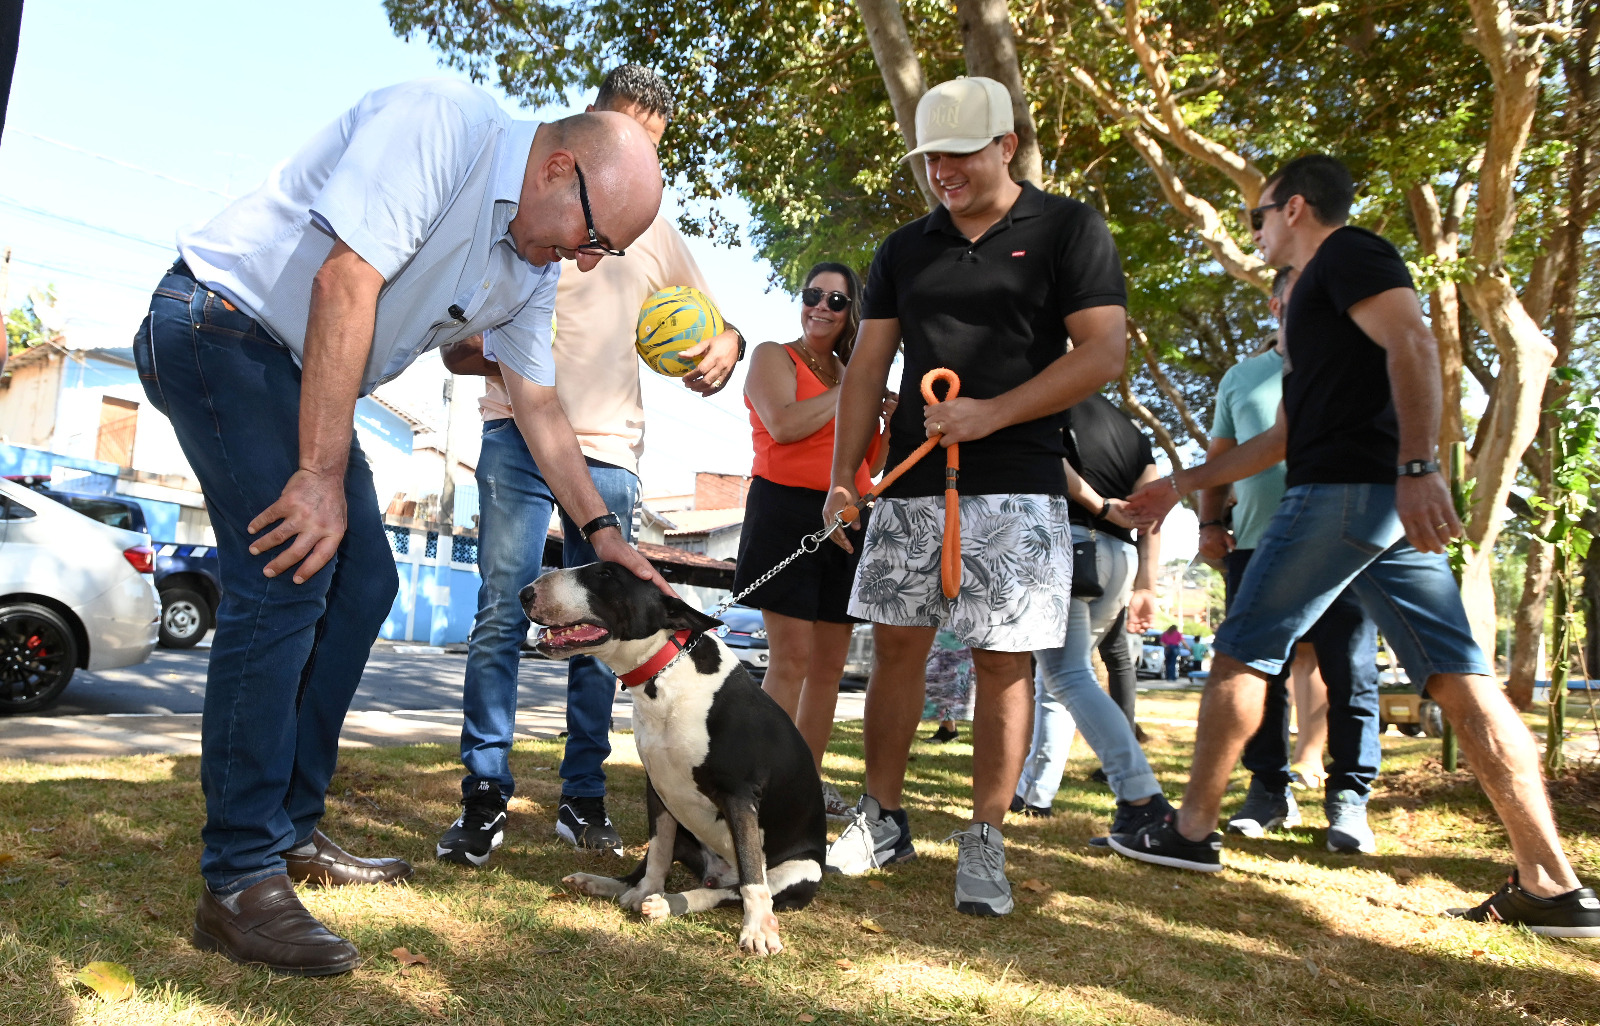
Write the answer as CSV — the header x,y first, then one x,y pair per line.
x,y
817,585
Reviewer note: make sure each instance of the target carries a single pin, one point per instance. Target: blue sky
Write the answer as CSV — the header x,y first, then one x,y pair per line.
x,y
211,95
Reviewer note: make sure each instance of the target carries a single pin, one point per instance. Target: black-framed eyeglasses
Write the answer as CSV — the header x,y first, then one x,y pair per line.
x,y
836,300
1258,215
594,245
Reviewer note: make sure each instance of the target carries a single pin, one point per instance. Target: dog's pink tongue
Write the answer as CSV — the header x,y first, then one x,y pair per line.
x,y
578,634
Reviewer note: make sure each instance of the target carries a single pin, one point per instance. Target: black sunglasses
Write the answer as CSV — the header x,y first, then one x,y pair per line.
x,y
836,300
594,245
1258,215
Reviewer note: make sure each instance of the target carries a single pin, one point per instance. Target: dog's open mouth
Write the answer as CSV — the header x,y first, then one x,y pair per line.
x,y
575,635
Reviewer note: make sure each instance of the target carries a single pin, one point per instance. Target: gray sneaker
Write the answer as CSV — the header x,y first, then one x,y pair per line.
x,y
1347,824
1263,810
981,885
872,839
833,804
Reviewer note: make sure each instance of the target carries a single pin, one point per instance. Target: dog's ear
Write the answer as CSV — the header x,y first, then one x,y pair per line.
x,y
681,615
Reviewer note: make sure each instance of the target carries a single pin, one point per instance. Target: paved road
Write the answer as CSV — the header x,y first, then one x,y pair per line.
x,y
399,677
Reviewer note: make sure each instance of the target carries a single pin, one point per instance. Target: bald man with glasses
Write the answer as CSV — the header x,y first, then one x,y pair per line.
x,y
421,216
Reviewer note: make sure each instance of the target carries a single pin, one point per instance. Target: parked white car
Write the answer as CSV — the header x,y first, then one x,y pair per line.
x,y
74,594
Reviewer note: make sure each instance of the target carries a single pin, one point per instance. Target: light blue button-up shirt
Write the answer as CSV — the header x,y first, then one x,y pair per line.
x,y
422,180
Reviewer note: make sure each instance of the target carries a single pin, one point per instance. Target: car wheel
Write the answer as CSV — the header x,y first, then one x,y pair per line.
x,y
38,654
185,618
1410,729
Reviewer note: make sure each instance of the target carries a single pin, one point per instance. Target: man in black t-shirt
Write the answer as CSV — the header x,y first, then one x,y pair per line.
x,y
991,285
1108,458
1367,509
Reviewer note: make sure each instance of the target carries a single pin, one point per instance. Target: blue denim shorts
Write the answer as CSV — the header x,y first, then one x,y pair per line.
x,y
1325,538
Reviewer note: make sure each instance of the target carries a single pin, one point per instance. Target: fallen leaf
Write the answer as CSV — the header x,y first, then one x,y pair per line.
x,y
108,979
1477,952
6,856
1246,918
1404,875
405,957
806,1017
41,830
1035,885
844,963
562,896
877,885
58,853
151,912
870,926
1314,967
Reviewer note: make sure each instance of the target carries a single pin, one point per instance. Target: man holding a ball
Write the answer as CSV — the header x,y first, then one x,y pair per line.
x,y
597,380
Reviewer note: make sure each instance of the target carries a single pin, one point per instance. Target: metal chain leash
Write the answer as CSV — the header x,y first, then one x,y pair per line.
x,y
810,543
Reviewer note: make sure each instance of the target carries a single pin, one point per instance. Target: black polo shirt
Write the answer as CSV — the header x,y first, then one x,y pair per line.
x,y
991,311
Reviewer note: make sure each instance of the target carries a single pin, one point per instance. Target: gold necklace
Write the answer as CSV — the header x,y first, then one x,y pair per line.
x,y
805,354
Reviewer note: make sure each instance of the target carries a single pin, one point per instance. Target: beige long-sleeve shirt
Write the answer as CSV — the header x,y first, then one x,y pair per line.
x,y
597,369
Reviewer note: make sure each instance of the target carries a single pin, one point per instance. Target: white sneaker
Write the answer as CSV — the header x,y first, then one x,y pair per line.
x,y
873,839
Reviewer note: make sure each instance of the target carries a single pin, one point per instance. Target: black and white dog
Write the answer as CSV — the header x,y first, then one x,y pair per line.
x,y
730,788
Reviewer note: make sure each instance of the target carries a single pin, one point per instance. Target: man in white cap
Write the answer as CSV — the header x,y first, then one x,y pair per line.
x,y
992,284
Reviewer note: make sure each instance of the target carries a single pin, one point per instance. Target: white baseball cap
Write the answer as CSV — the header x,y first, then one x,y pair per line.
x,y
962,115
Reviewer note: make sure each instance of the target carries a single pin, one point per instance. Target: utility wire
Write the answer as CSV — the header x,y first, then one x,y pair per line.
x,y
124,164
166,247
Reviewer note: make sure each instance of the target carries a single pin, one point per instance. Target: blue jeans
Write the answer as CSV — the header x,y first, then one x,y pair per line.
x,y
514,514
1326,538
1346,643
1068,695
1172,652
286,657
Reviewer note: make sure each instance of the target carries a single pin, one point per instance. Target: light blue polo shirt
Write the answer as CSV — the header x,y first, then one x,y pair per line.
x,y
422,180
1247,404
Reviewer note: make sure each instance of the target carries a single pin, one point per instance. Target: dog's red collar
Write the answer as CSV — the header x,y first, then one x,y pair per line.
x,y
656,663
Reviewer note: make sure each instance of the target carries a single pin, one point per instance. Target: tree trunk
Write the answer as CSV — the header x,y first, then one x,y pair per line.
x,y
1439,237
902,75
1528,622
1515,60
990,47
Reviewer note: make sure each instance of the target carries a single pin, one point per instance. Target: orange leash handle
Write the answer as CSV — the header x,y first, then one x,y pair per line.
x,y
950,550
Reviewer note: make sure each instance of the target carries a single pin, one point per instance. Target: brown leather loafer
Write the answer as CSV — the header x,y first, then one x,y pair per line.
x,y
272,929
332,866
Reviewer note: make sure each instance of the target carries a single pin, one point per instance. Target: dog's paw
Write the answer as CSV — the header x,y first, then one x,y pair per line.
x,y
590,884
655,908
760,935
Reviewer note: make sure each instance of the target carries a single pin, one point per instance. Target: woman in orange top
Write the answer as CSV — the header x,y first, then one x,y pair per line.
x,y
791,391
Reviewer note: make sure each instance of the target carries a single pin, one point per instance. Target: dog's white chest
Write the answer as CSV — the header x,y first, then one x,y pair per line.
x,y
671,736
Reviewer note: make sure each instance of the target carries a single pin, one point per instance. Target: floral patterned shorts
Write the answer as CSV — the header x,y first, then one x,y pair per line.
x,y
1016,570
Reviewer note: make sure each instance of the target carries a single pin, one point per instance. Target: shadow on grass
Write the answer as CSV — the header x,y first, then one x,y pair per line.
x,y
106,867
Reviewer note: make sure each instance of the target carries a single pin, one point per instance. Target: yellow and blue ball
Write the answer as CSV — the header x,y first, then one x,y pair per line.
x,y
671,321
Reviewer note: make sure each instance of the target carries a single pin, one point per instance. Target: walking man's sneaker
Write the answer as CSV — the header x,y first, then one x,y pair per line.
x,y
1347,824
981,885
833,804
874,838
1132,818
1573,914
1264,810
1161,844
944,735
583,823
479,830
1022,808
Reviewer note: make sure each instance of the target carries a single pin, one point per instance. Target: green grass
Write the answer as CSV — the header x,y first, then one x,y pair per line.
x,y
104,866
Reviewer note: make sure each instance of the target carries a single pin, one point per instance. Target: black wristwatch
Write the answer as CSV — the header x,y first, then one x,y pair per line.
x,y
1213,523
600,523
736,331
1417,468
